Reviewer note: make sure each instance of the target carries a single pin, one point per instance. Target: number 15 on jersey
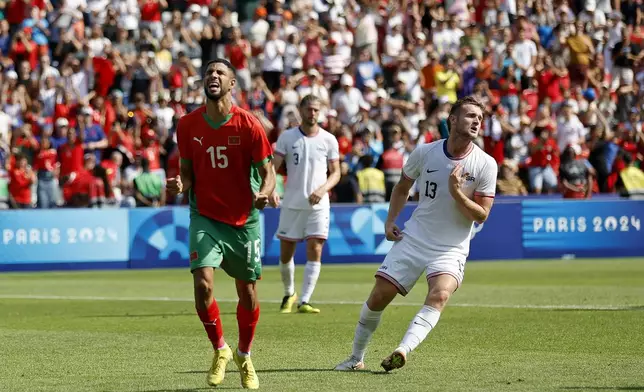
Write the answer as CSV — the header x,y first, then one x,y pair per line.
x,y
218,158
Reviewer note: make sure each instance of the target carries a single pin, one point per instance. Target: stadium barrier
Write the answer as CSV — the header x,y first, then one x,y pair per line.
x,y
154,238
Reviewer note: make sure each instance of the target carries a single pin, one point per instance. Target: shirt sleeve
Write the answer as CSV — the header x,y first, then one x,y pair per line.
x,y
414,164
261,148
334,149
487,184
183,141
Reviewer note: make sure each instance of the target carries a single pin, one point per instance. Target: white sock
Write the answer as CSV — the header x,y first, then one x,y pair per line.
x,y
241,354
311,275
288,277
424,321
367,325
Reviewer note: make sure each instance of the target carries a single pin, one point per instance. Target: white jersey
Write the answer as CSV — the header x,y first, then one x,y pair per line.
x,y
306,159
436,223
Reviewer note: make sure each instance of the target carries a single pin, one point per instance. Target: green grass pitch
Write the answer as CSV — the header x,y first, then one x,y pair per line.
x,y
573,325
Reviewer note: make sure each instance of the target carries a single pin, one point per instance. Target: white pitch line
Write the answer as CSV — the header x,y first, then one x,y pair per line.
x,y
273,301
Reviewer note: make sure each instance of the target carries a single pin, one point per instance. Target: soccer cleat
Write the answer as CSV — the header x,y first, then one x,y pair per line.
x,y
396,360
352,363
247,372
218,369
287,303
307,308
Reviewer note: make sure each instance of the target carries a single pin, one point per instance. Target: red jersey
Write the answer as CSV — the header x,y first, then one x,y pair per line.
x,y
45,160
20,186
344,145
224,159
71,158
548,154
236,55
111,170
153,154
150,11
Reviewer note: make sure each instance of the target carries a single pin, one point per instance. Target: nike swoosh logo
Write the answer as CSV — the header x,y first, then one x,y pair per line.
x,y
431,171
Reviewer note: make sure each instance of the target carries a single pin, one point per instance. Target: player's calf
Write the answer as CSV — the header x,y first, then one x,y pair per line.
x,y
247,314
207,308
311,274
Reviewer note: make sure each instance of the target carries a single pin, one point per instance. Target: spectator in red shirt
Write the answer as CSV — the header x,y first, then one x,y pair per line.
x,y
71,154
552,81
24,48
151,16
25,142
65,108
543,164
82,188
16,11
122,139
151,150
47,168
21,179
239,51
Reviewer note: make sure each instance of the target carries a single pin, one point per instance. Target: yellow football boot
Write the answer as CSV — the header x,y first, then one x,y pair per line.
x,y
247,372
287,303
307,308
218,369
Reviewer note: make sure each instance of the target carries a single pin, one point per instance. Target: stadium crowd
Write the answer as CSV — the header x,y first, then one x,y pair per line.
x,y
91,90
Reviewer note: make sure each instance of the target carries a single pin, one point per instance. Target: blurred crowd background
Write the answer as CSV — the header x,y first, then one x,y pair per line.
x,y
91,90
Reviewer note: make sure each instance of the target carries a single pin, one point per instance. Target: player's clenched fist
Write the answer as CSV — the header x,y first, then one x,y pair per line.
x,y
174,185
392,232
316,197
260,200
274,200
456,178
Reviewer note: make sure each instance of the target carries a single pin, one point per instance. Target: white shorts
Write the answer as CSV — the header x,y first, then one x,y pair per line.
x,y
406,262
298,225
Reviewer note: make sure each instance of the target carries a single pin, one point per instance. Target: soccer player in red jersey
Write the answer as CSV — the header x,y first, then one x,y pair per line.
x,y
227,173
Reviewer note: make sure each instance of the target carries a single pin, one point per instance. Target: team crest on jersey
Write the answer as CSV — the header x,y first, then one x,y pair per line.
x,y
234,140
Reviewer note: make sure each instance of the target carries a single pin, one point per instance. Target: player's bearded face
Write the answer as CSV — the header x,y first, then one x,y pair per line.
x,y
216,84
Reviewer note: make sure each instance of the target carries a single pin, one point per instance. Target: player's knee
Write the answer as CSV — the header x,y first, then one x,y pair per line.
x,y
314,247
203,290
438,298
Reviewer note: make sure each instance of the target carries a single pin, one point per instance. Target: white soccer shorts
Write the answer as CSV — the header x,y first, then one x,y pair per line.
x,y
298,225
407,261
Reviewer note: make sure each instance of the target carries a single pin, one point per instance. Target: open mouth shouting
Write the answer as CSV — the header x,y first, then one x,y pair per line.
x,y
214,86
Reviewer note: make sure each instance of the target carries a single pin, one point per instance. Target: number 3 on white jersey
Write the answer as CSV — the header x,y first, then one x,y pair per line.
x,y
221,161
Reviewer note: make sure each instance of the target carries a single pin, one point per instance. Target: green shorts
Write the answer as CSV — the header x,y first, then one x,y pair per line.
x,y
219,245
